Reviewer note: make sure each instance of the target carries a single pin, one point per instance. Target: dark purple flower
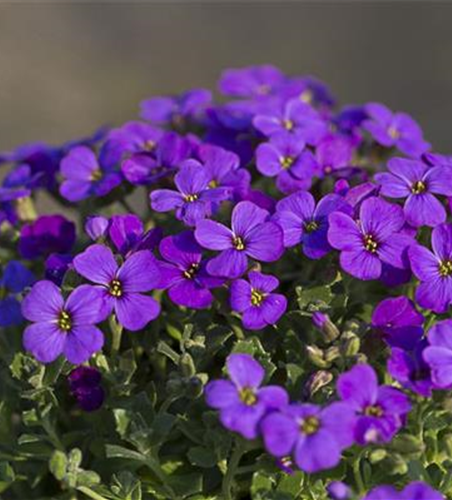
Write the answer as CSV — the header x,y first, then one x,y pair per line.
x,y
374,240
125,231
194,198
47,234
15,278
251,236
122,286
85,386
96,227
171,110
380,410
242,401
255,302
315,436
416,490
417,182
349,120
253,81
337,490
84,176
56,266
395,130
305,223
169,153
184,273
434,270
63,326
284,156
293,117
438,355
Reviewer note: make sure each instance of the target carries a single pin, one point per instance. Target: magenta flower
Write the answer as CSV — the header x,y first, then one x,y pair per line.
x,y
84,176
242,401
194,198
63,326
395,130
122,286
184,273
307,224
434,270
254,300
252,235
315,436
284,156
376,239
417,182
380,410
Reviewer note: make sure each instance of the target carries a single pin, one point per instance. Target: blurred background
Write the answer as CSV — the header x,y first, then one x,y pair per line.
x,y
66,68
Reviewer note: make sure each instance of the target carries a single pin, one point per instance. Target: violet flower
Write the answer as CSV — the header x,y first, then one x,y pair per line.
x,y
255,301
305,223
15,278
122,286
376,239
84,176
417,183
252,235
438,355
380,409
63,326
241,400
315,436
253,81
416,490
85,386
184,273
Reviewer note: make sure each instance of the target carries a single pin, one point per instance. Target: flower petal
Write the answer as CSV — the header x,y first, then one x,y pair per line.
x,y
358,387
361,264
44,340
88,305
139,273
221,394
245,371
424,210
279,433
213,235
82,342
230,263
96,264
134,311
43,303
265,242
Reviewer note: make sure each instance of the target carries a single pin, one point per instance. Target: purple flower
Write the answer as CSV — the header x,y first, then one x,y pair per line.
x,y
337,490
242,401
16,277
417,182
374,240
84,384
63,326
331,155
171,110
184,273
434,270
194,198
125,231
315,436
305,223
251,236
395,130
47,234
381,410
146,168
84,176
284,156
255,302
398,320
438,355
416,490
293,117
122,286
253,81
309,90
56,266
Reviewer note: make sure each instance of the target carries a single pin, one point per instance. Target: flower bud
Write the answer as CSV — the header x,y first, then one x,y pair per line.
x,y
316,381
407,444
187,365
350,345
337,490
96,227
316,356
326,326
378,455
332,353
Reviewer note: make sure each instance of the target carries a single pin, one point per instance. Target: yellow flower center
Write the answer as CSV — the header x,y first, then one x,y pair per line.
x,y
370,244
191,271
115,288
445,268
213,183
288,124
393,132
247,396
286,162
190,198
257,297
418,187
307,96
311,226
96,175
149,145
310,425
238,243
64,321
373,411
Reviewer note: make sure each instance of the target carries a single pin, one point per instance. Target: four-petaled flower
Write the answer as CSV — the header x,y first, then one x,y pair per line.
x,y
122,286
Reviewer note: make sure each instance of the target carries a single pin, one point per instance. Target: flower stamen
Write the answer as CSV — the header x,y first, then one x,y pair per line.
x,y
370,244
257,297
445,268
238,243
418,187
115,288
310,425
191,271
64,321
247,396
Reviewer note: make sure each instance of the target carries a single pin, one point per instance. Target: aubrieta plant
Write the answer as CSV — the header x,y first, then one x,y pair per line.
x,y
242,299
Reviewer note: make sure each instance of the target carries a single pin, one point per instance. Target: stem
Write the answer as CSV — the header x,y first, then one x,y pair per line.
x,y
90,493
154,465
126,205
116,332
232,470
357,474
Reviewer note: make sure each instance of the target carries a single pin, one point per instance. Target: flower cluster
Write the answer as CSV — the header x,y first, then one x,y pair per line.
x,y
276,226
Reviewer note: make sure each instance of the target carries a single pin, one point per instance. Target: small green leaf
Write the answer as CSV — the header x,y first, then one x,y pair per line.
x,y
58,464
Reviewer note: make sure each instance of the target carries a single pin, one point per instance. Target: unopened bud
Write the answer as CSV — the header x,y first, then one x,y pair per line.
x,y
317,380
326,326
96,227
316,356
407,444
350,345
378,455
187,365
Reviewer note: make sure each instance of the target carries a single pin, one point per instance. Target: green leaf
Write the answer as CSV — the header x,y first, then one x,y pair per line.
x,y
116,451
202,457
7,476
